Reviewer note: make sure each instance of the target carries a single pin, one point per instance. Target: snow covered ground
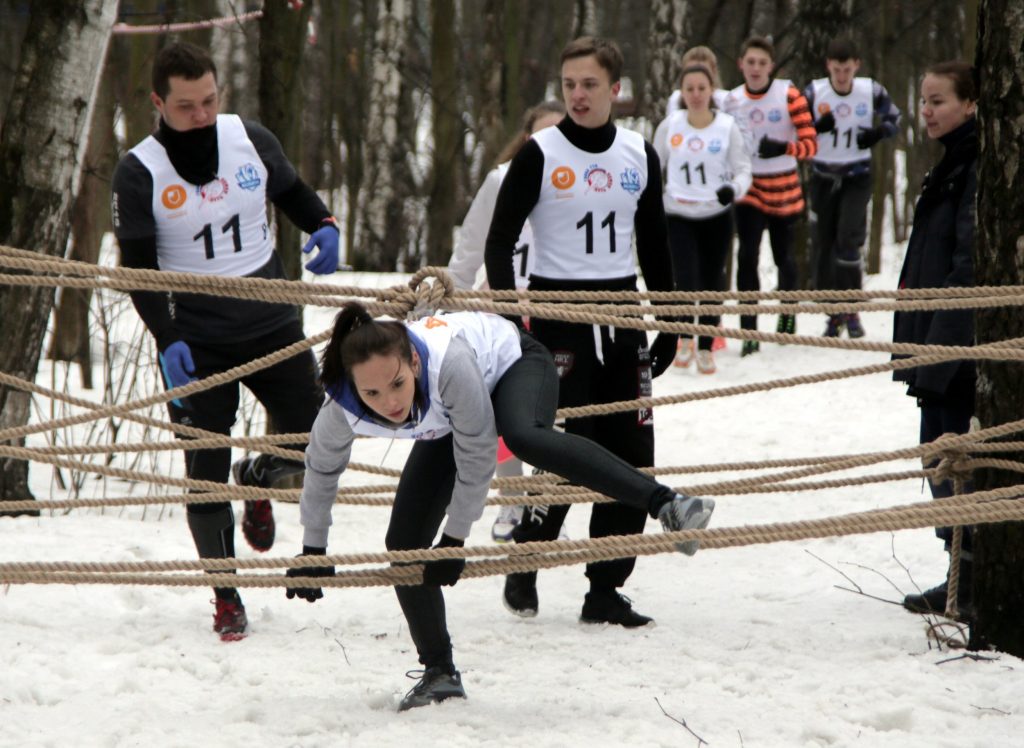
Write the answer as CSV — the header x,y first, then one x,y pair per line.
x,y
754,647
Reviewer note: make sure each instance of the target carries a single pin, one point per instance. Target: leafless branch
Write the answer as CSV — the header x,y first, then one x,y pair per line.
x,y
700,741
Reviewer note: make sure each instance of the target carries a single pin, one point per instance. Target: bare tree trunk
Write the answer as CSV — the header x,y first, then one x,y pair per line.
x,y
90,220
447,132
41,150
282,41
585,18
669,34
999,260
384,228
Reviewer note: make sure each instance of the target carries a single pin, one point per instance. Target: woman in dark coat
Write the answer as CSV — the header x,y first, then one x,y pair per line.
x,y
939,255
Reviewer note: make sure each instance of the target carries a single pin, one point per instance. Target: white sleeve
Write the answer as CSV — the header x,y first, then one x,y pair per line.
x,y
327,456
660,143
672,105
739,162
468,255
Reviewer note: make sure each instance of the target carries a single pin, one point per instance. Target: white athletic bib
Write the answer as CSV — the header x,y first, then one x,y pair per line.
x,y
698,162
583,221
768,115
495,341
852,111
221,227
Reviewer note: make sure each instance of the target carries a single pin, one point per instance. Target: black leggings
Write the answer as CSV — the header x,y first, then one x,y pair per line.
x,y
839,211
524,400
699,248
750,225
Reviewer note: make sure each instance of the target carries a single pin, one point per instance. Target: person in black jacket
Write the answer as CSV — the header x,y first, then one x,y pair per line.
x,y
939,255
192,198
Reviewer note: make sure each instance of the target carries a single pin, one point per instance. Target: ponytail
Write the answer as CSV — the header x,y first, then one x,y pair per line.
x,y
358,337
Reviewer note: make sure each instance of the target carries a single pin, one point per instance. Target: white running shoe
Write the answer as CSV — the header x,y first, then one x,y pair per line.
x,y
508,517
706,362
684,353
686,513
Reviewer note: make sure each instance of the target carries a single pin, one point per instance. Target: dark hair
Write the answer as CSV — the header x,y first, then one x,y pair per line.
x,y
180,60
530,118
356,338
842,50
758,42
607,52
702,69
963,75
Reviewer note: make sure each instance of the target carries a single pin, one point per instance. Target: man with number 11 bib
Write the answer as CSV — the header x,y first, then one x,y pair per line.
x,y
191,198
586,187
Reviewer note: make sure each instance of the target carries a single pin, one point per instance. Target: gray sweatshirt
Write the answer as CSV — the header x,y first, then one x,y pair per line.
x,y
461,391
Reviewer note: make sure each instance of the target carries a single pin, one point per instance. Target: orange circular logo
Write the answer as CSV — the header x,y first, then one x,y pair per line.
x,y
563,178
677,140
823,107
173,197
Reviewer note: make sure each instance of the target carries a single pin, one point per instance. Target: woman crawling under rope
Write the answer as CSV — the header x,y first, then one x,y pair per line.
x,y
453,382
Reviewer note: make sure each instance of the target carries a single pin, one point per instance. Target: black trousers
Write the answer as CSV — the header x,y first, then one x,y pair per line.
x,y
750,225
289,391
938,417
839,228
524,400
598,365
699,250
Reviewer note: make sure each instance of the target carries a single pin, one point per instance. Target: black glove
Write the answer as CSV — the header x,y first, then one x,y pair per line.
x,y
825,123
868,136
444,572
310,594
770,147
725,194
663,350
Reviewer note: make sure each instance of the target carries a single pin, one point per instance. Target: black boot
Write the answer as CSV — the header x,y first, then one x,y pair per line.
x,y
933,601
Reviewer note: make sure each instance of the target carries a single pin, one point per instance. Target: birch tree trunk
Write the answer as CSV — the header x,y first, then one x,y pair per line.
x,y
41,150
669,35
999,260
383,228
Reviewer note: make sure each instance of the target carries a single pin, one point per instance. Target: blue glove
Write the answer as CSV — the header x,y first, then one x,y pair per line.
x,y
176,362
326,238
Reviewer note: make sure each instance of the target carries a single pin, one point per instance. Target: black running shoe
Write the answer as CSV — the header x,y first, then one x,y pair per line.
x,y
853,326
520,594
229,619
750,347
786,324
611,607
435,685
265,471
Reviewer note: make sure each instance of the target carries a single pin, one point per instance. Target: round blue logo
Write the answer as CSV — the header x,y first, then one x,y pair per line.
x,y
774,115
715,145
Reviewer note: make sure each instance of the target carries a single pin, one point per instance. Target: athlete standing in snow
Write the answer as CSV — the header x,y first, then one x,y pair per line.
x,y
586,186
845,108
454,383
780,124
192,198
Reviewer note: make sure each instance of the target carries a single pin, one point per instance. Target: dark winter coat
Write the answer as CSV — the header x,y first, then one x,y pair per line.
x,y
940,254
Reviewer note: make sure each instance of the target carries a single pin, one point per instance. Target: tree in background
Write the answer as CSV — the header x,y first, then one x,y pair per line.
x,y
999,260
41,151
669,32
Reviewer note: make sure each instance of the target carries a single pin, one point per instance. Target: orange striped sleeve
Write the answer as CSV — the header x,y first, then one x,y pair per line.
x,y
800,115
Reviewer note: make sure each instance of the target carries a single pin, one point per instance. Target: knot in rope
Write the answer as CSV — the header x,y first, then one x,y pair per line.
x,y
952,466
425,293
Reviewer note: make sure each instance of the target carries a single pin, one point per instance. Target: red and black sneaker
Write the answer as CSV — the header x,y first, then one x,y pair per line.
x,y
258,524
229,619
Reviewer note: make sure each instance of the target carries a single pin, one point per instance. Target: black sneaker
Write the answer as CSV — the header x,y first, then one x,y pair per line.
x,y
787,324
933,601
853,326
520,594
435,685
265,471
835,325
749,347
611,607
229,619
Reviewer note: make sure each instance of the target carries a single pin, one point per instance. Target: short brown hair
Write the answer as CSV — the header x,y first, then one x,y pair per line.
x,y
758,42
607,53
842,50
180,60
963,76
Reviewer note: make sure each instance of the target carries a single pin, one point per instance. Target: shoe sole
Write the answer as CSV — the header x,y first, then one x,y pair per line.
x,y
594,622
233,636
